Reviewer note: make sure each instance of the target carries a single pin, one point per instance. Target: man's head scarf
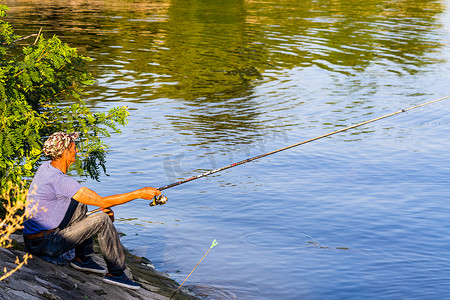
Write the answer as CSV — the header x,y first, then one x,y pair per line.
x,y
55,145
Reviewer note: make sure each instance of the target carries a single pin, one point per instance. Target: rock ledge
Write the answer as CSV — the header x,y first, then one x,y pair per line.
x,y
42,280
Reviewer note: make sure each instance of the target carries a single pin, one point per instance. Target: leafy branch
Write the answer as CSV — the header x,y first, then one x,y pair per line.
x,y
41,92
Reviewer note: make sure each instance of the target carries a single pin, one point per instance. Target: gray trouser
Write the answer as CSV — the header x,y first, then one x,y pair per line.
x,y
78,234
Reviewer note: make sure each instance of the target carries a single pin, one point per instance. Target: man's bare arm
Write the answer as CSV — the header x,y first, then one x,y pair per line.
x,y
89,197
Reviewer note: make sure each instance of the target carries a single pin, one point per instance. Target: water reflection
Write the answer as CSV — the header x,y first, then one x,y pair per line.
x,y
215,49
349,36
204,52
229,71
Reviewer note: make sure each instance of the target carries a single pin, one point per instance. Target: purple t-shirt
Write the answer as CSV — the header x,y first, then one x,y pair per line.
x,y
52,190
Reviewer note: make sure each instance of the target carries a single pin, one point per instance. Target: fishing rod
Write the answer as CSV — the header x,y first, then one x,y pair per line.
x,y
161,199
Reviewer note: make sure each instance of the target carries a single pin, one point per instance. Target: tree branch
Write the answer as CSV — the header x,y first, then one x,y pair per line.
x,y
31,35
24,38
39,33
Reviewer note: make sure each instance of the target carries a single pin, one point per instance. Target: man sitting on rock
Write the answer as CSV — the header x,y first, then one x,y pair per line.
x,y
60,223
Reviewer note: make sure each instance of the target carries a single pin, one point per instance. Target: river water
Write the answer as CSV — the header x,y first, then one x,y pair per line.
x,y
360,215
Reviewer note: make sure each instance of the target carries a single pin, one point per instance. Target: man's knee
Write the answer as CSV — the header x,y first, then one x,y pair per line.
x,y
103,219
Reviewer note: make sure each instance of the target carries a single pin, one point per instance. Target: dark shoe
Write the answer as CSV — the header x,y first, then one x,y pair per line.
x,y
122,281
88,266
54,260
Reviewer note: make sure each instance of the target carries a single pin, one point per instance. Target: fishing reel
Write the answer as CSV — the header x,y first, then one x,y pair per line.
x,y
158,200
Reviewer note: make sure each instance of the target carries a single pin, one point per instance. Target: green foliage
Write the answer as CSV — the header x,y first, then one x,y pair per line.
x,y
41,89
6,33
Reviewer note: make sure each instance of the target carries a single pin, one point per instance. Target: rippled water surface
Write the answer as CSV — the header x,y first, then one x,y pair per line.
x,y
360,215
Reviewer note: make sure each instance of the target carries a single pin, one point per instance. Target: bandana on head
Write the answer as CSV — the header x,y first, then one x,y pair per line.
x,y
55,145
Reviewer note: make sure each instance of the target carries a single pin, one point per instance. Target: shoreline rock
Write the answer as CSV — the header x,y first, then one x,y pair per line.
x,y
43,280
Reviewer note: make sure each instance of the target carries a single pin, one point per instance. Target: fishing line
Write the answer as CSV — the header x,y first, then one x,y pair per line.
x,y
161,199
213,244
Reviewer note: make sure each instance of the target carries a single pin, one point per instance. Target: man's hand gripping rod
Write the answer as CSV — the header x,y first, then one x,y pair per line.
x,y
157,200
